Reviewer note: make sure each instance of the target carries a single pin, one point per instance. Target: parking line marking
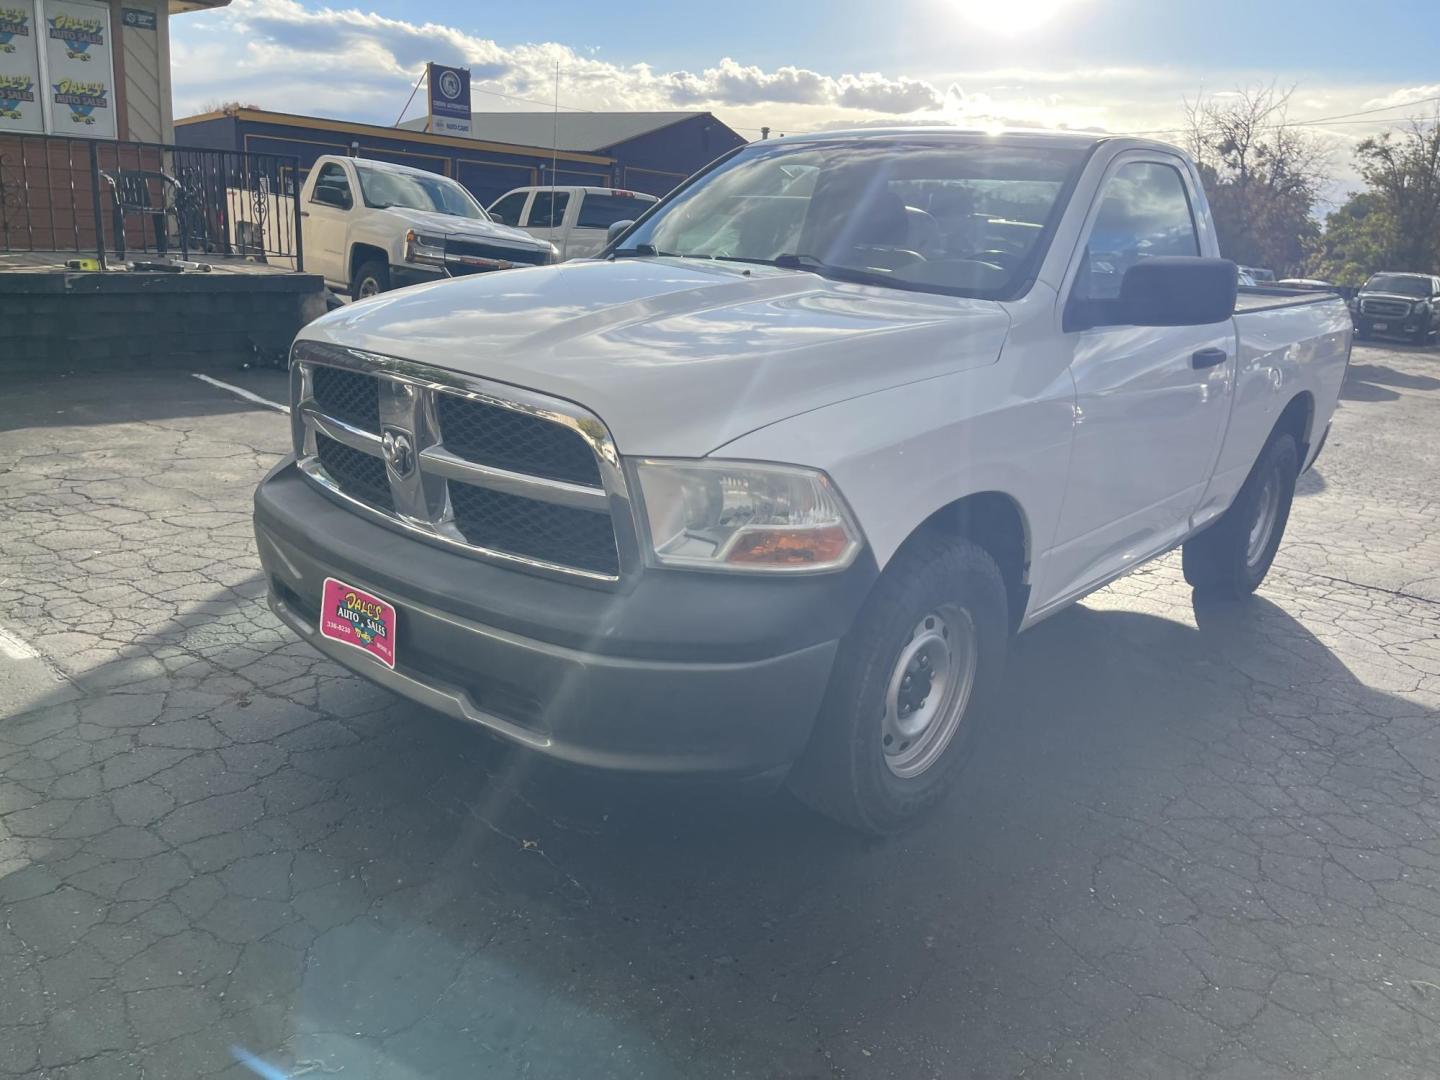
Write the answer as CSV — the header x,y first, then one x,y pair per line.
x,y
16,648
240,391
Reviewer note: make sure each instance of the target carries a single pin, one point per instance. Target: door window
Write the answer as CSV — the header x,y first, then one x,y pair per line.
x,y
332,188
507,210
602,211
548,209
1144,212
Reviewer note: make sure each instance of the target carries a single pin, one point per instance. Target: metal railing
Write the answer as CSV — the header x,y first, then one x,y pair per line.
x,y
122,200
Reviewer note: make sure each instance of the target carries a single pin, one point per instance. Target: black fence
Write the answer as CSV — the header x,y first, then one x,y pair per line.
x,y
132,200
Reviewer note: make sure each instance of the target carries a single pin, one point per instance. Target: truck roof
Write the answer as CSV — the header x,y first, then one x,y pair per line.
x,y
1076,140
589,189
387,166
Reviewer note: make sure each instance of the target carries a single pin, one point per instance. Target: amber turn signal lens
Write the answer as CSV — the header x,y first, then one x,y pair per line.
x,y
791,547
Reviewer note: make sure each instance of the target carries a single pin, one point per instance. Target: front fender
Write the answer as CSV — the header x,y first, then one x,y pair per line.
x,y
386,238
900,455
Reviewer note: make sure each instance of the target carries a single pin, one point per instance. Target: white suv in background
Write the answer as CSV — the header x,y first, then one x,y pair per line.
x,y
574,219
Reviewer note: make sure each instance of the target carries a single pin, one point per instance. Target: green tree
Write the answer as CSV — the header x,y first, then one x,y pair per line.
x,y
1359,239
1402,171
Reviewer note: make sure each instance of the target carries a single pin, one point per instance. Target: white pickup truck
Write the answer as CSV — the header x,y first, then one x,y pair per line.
x,y
575,219
767,489
370,226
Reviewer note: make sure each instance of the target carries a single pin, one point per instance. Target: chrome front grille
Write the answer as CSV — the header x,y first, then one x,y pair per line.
x,y
481,253
506,439
498,472
351,396
356,473
1395,309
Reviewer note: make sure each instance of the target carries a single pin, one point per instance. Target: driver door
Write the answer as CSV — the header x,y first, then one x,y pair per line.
x,y
327,217
1151,402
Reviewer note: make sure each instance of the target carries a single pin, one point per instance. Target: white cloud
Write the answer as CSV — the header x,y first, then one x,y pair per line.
x,y
355,64
282,55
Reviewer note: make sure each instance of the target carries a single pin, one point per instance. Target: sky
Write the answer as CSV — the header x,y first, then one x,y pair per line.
x,y
805,65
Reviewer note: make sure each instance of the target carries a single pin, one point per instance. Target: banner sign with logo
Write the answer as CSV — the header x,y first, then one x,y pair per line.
x,y
78,68
139,18
449,99
21,99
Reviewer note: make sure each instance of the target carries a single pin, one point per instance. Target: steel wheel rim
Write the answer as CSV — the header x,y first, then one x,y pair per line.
x,y
369,287
928,691
1265,516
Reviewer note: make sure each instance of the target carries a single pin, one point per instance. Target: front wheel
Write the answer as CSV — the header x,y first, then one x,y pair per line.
x,y
1232,556
909,683
371,279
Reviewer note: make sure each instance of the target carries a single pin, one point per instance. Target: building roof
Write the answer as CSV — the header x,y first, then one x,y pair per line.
x,y
405,133
568,130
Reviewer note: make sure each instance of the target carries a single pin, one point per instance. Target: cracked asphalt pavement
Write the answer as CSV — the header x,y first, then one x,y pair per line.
x,y
1195,842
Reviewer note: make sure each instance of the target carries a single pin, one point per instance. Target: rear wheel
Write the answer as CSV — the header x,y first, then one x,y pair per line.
x,y
1232,556
371,279
910,681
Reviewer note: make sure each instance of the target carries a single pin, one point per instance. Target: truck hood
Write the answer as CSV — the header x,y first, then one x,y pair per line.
x,y
470,228
677,356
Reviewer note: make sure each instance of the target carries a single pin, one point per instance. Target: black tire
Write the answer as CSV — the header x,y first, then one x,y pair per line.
x,y
1220,561
844,772
372,271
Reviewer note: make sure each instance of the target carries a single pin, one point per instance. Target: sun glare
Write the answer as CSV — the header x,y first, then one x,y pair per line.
x,y
1007,17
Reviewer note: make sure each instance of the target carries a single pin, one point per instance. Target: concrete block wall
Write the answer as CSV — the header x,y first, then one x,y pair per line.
x,y
131,321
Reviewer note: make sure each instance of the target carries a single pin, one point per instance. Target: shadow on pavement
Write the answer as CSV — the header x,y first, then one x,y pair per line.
x,y
1388,376
378,889
95,399
1310,482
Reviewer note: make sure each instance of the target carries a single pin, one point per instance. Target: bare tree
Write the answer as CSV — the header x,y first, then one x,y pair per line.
x,y
1263,175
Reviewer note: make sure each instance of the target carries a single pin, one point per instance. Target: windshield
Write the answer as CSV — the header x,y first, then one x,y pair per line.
x,y
385,188
1402,284
951,216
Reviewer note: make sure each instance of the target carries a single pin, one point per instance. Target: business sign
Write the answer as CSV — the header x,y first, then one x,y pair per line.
x,y
449,99
21,99
78,69
137,19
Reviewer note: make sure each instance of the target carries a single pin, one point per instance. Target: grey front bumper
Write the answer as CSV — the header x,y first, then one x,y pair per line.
x,y
602,678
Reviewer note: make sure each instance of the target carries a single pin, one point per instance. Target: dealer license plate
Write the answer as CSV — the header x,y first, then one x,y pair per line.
x,y
357,618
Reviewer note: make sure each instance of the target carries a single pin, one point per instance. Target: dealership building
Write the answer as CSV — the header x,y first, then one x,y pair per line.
x,y
641,151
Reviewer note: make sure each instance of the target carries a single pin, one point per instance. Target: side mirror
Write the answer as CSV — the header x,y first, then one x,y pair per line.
x,y
1178,290
1168,290
616,228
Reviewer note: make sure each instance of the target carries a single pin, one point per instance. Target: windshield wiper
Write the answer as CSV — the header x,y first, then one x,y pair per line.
x,y
650,251
810,264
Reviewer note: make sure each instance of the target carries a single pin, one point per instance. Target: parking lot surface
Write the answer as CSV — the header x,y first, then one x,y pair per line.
x,y
1195,841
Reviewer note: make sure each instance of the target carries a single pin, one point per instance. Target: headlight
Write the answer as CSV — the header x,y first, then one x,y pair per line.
x,y
424,249
744,516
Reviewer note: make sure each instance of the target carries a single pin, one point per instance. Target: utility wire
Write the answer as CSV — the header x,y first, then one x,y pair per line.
x,y
1338,117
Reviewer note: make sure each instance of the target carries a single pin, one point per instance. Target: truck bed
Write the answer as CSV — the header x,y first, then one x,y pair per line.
x,y
1265,297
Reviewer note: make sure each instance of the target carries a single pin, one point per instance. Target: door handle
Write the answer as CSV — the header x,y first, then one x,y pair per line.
x,y
304,213
1203,358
